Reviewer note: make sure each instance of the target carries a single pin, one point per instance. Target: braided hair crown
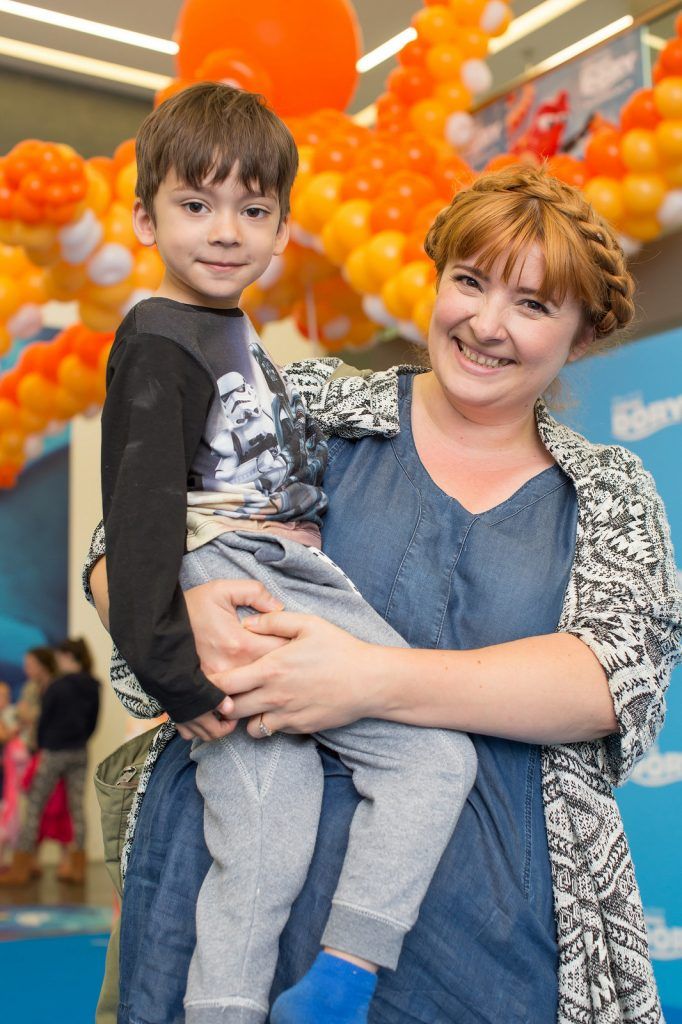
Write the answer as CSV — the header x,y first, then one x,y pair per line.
x,y
522,202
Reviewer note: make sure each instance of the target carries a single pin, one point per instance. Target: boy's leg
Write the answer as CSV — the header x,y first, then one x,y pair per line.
x,y
414,781
261,808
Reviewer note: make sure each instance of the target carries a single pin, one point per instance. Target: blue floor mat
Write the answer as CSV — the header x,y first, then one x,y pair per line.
x,y
53,980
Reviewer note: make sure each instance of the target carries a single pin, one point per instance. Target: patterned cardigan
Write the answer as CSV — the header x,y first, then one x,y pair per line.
x,y
622,601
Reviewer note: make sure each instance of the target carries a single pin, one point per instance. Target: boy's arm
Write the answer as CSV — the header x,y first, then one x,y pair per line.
x,y
154,415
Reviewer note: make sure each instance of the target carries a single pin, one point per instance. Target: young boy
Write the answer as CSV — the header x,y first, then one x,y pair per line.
x,y
211,467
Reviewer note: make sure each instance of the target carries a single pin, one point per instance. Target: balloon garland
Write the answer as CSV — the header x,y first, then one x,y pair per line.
x,y
361,205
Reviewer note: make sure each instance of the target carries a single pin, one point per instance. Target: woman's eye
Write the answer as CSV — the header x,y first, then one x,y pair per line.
x,y
469,282
536,307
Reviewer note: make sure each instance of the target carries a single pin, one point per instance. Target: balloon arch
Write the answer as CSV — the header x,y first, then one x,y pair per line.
x,y
361,205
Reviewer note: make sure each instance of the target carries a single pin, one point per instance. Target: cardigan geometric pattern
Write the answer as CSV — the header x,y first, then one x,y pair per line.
x,y
622,601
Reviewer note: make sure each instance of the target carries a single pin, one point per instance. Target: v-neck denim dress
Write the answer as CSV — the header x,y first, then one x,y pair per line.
x,y
484,947
483,950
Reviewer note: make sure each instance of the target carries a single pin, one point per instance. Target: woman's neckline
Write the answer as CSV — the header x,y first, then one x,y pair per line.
x,y
550,475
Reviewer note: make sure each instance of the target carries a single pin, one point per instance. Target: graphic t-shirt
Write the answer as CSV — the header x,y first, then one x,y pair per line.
x,y
260,457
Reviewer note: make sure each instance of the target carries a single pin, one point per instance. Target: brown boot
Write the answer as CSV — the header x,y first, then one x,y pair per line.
x,y
21,871
73,869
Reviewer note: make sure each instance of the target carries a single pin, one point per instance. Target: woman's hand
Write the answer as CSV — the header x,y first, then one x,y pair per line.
x,y
221,640
320,679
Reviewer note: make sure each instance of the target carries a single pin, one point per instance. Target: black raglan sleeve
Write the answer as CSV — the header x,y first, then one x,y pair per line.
x,y
158,398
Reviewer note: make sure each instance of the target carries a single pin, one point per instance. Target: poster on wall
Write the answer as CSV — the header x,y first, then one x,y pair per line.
x,y
633,397
552,114
33,551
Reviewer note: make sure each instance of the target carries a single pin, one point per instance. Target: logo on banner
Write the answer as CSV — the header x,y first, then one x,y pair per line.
x,y
632,418
665,942
658,768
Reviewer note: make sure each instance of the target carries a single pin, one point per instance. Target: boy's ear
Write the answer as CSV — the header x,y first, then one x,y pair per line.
x,y
282,236
143,225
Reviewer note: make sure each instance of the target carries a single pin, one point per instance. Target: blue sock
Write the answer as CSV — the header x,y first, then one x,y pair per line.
x,y
333,991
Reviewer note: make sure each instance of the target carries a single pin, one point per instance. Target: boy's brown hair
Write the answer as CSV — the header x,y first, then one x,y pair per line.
x,y
207,128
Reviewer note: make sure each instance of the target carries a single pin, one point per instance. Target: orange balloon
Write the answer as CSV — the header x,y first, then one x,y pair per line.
x,y
668,97
98,195
445,60
602,153
385,254
148,270
643,193
435,24
429,117
673,174
118,225
606,196
671,57
640,111
351,223
644,229
669,140
9,414
308,55
357,272
421,314
468,12
567,168
77,378
640,151
319,200
37,394
9,296
124,186
454,96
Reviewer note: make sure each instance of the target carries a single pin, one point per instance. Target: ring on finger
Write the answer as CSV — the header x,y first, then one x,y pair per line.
x,y
265,732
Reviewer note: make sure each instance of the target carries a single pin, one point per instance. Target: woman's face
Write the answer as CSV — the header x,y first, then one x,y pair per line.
x,y
34,671
495,345
66,662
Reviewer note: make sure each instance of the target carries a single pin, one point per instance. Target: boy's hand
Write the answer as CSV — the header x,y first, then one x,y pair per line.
x,y
212,725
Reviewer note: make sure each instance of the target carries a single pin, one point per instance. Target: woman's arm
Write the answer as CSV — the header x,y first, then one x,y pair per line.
x,y
546,689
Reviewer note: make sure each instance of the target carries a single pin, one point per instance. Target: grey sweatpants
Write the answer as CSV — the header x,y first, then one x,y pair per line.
x,y
262,803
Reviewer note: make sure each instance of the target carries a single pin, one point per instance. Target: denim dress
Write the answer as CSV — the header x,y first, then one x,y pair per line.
x,y
484,947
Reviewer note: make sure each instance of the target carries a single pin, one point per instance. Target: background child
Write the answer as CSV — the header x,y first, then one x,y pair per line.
x,y
211,468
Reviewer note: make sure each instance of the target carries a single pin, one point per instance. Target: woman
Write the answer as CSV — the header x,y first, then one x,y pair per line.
x,y
536,566
68,717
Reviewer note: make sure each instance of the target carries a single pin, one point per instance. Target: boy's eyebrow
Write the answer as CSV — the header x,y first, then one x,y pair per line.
x,y
251,193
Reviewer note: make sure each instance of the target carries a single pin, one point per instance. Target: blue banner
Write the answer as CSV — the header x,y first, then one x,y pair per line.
x,y
633,397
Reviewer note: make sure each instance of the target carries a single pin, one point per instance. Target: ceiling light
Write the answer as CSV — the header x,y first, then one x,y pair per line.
x,y
531,21
600,36
91,28
655,42
388,49
82,65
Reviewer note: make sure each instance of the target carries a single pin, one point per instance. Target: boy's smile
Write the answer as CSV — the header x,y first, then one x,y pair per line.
x,y
214,240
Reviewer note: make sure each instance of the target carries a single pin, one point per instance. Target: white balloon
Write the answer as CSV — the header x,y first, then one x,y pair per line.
x,y
26,322
301,237
336,329
267,314
110,265
137,296
669,213
410,332
374,309
34,446
494,15
459,129
272,273
476,76
77,241
629,245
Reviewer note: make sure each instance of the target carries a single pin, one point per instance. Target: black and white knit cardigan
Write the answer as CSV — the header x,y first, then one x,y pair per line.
x,y
622,601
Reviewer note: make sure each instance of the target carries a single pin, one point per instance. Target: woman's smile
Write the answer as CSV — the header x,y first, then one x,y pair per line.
x,y
479,359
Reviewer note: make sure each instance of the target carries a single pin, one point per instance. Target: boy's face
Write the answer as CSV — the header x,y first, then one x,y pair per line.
x,y
214,240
